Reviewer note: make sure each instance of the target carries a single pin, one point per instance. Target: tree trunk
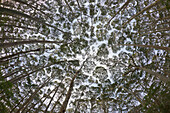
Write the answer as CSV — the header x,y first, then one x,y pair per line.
x,y
40,102
53,96
5,45
68,5
12,26
19,103
161,77
68,95
150,46
123,7
145,9
23,2
24,106
57,100
15,54
18,13
14,80
39,107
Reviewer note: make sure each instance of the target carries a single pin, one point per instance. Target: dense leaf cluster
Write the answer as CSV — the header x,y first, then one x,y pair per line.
x,y
84,56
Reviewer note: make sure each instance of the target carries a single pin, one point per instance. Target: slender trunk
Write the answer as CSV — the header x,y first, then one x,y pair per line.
x,y
6,45
44,98
23,2
150,46
133,94
54,104
10,74
27,102
68,6
57,100
18,13
39,107
147,33
4,62
14,80
160,19
23,27
78,4
53,96
6,38
161,77
145,9
68,95
160,9
123,7
12,110
15,54
104,106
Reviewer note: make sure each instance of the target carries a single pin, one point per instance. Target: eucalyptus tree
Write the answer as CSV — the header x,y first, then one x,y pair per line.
x,y
125,44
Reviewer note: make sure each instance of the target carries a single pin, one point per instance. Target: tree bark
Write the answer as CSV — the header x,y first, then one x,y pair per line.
x,y
161,77
23,27
6,45
53,96
44,98
145,9
15,54
12,110
150,46
123,7
68,6
68,95
57,100
18,13
24,106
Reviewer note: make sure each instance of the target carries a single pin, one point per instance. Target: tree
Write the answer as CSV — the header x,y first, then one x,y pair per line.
x,y
84,56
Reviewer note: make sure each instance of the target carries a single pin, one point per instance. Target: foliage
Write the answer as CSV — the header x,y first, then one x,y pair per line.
x,y
107,55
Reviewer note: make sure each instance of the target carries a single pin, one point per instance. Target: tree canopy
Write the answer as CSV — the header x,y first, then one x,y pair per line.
x,y
84,56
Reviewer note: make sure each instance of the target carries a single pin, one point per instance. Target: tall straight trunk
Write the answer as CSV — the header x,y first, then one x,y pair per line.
x,y
39,107
23,2
15,54
61,94
136,96
53,96
27,102
78,4
14,80
145,9
44,98
150,46
161,77
123,7
68,95
6,45
10,74
12,26
68,6
7,38
18,13
12,110
155,31
160,9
